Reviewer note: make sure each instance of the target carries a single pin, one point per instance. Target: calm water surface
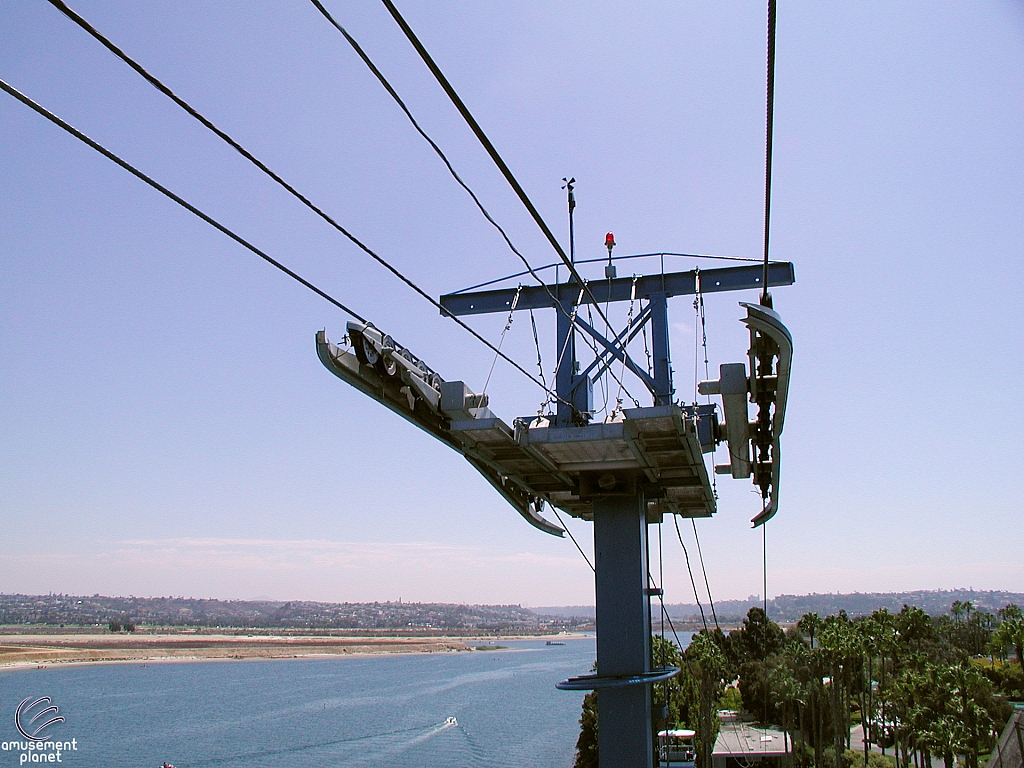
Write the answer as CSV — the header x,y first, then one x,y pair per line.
x,y
371,711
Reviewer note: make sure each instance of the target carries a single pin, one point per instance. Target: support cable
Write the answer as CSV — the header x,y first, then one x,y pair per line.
x,y
661,581
555,265
60,5
540,359
593,346
679,643
622,374
766,299
451,169
661,601
508,324
562,523
693,583
698,308
664,612
168,193
569,336
647,352
433,144
489,147
764,563
707,586
604,384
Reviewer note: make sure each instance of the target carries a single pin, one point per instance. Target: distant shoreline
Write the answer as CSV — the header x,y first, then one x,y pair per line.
x,y
34,650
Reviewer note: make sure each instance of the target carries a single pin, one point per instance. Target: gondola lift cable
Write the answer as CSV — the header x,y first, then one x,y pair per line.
x,y
160,86
176,198
766,298
394,94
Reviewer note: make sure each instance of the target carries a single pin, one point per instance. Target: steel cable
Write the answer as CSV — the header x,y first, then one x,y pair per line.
x,y
60,5
179,200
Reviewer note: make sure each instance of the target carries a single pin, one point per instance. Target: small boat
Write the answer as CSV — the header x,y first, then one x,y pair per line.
x,y
451,721
555,642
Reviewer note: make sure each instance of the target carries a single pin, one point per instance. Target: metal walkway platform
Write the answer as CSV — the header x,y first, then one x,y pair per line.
x,y
654,450
651,449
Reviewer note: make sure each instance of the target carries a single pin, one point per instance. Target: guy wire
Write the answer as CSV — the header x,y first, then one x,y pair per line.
x,y
566,528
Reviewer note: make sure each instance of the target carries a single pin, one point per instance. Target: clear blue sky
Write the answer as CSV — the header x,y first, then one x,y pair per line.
x,y
166,427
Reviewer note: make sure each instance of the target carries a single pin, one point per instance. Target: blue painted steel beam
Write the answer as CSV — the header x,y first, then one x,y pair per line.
x,y
566,408
623,630
620,289
659,342
617,352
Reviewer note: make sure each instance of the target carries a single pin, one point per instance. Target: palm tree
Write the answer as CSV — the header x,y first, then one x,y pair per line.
x,y
887,644
711,667
808,624
869,632
1011,633
838,643
957,610
1009,611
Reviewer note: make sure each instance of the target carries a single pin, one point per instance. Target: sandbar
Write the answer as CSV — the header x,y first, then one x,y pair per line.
x,y
38,650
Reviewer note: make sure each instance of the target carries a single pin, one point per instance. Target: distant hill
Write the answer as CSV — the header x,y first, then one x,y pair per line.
x,y
443,617
791,607
390,617
933,602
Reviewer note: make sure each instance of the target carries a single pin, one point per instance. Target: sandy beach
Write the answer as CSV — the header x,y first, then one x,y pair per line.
x,y
42,649
37,649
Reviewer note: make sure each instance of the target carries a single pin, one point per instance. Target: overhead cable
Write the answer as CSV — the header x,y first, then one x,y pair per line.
x,y
451,169
489,147
562,523
60,5
689,570
766,299
764,563
415,124
180,201
707,585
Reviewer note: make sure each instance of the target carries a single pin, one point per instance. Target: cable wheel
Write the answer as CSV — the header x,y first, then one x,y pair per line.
x,y
386,363
365,351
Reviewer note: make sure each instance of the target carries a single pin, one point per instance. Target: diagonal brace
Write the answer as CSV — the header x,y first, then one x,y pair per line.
x,y
619,353
633,329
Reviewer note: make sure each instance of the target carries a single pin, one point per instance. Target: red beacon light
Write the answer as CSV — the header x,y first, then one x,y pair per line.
x,y
609,243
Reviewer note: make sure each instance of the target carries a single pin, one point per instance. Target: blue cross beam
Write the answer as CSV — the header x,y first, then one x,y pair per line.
x,y
575,389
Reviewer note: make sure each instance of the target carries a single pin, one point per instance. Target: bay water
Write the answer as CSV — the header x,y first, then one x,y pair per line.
x,y
334,711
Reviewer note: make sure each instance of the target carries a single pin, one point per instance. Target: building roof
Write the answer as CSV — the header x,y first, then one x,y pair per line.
x,y
744,740
1007,753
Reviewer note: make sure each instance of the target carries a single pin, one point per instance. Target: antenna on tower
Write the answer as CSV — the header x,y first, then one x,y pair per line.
x,y
571,196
